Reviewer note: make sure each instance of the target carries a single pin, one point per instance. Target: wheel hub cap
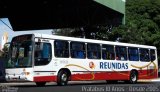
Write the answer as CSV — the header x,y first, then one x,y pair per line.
x,y
134,77
64,77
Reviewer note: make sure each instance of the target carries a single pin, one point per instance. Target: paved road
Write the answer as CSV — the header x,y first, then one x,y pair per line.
x,y
89,86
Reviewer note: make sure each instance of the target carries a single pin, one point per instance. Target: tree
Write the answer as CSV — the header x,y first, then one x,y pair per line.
x,y
142,23
1,53
72,32
5,51
91,32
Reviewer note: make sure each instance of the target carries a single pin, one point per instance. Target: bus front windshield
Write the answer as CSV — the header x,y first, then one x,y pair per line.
x,y
20,54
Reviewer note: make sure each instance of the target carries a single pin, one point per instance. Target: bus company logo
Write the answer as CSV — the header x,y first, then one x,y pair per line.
x,y
91,65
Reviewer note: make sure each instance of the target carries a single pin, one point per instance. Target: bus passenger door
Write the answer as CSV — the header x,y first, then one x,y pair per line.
x,y
42,59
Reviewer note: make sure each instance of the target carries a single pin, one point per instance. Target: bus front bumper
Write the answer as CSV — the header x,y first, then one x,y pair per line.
x,y
14,77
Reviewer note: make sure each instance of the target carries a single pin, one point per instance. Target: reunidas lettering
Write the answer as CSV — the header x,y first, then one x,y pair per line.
x,y
113,65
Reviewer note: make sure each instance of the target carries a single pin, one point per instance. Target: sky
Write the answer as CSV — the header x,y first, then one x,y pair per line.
x,y
11,33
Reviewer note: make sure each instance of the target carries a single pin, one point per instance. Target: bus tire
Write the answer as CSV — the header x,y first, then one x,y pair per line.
x,y
40,84
62,79
133,77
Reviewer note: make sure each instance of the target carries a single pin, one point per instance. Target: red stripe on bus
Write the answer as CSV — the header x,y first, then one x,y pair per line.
x,y
147,74
142,74
45,78
100,76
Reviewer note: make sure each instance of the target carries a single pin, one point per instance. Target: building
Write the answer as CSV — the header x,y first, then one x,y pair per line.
x,y
4,40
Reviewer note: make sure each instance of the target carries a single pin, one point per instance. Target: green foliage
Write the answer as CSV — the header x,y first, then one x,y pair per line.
x,y
142,23
72,32
4,52
142,17
1,54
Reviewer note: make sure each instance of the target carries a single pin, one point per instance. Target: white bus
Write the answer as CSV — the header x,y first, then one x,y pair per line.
x,y
45,58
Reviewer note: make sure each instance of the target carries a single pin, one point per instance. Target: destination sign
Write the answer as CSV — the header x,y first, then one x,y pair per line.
x,y
22,38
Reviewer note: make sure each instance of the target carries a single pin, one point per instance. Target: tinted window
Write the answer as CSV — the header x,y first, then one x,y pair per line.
x,y
133,54
77,50
93,51
43,57
152,55
108,52
61,48
121,53
144,55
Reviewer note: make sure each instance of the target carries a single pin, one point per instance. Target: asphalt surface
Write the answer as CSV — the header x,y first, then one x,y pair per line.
x,y
82,86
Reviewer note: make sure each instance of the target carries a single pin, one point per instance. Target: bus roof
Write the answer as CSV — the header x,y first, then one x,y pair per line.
x,y
46,36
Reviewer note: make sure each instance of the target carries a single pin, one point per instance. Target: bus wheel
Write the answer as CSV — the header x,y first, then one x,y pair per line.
x,y
40,84
133,77
62,78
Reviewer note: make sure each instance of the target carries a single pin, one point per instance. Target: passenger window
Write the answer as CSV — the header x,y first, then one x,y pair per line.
x,y
121,53
61,48
77,50
43,57
152,55
144,55
108,52
93,51
133,54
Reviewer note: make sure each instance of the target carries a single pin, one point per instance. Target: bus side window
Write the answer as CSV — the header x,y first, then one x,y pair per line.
x,y
144,55
133,54
152,55
108,52
121,53
77,50
93,51
61,48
